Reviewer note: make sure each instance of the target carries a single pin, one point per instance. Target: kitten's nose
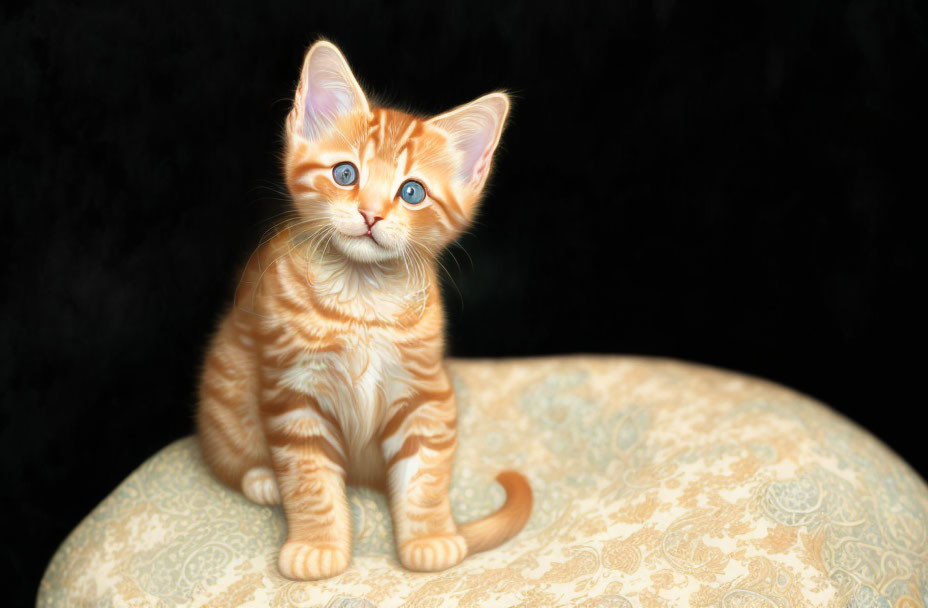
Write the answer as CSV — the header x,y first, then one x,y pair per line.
x,y
369,218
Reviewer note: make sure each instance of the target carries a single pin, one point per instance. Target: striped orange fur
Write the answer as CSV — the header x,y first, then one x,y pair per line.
x,y
328,370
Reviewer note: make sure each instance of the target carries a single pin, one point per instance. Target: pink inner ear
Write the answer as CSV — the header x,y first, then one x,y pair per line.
x,y
477,152
323,103
329,91
322,106
474,129
482,165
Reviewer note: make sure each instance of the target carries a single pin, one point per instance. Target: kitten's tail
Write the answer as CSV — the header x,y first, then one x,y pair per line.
x,y
496,528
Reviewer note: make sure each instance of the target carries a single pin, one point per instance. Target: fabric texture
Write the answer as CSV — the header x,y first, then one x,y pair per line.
x,y
657,484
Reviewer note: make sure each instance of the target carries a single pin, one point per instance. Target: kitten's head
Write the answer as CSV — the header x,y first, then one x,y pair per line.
x,y
377,184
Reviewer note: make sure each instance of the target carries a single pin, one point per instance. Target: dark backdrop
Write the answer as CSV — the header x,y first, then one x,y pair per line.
x,y
727,183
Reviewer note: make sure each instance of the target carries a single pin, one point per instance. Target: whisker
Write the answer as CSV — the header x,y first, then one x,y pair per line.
x,y
295,242
461,247
437,261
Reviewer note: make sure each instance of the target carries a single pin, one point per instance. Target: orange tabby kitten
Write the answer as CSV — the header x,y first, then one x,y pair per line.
x,y
329,368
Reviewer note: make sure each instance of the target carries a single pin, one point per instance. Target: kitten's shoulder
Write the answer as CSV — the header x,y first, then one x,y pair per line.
x,y
262,271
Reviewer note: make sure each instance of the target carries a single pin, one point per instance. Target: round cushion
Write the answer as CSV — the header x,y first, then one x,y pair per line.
x,y
657,484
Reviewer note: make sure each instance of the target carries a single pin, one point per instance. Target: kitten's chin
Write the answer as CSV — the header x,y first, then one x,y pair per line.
x,y
361,249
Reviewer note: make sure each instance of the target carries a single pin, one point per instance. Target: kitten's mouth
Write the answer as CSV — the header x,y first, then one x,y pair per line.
x,y
363,247
366,235
371,236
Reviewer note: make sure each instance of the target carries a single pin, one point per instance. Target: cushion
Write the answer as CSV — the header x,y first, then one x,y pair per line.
x,y
657,484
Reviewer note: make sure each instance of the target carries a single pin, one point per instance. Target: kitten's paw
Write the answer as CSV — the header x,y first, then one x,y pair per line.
x,y
260,486
311,561
433,553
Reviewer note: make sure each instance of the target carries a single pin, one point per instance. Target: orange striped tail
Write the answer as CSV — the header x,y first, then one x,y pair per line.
x,y
496,528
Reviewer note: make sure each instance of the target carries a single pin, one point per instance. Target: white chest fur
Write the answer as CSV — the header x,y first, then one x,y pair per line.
x,y
368,292
356,384
360,379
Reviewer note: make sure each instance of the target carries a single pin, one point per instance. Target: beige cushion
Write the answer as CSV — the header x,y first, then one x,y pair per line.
x,y
657,484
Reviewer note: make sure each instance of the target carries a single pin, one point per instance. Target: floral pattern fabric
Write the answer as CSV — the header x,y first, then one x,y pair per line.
x,y
658,484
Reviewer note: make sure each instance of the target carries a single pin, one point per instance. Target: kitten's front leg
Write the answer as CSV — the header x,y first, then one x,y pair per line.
x,y
418,445
308,455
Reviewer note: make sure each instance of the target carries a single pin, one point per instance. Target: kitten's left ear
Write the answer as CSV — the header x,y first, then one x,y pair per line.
x,y
474,130
327,90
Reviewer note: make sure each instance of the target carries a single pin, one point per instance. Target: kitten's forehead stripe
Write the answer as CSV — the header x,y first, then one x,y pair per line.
x,y
404,161
409,144
368,153
401,144
376,132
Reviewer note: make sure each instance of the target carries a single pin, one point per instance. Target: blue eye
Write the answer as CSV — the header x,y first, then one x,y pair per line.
x,y
345,174
412,192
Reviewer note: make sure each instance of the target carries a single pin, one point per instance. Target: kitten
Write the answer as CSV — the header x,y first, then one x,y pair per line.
x,y
329,368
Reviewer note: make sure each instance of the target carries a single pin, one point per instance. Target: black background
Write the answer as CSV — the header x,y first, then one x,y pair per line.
x,y
732,183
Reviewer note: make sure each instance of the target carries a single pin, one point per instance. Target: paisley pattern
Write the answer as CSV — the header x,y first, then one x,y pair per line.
x,y
657,483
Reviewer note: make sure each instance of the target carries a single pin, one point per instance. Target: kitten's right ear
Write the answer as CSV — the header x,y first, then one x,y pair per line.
x,y
474,130
327,90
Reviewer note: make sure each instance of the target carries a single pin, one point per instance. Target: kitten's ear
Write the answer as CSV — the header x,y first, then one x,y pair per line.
x,y
474,130
326,91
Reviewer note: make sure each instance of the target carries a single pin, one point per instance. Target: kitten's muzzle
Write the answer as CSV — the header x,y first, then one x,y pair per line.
x,y
370,219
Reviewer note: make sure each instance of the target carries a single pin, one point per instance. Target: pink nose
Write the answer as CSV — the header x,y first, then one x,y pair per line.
x,y
369,218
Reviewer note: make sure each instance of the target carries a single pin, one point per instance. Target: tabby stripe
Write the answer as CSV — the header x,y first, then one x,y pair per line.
x,y
273,334
322,413
407,144
285,405
215,393
301,423
323,311
321,342
214,363
403,139
419,357
377,130
222,429
308,165
414,443
315,444
406,409
301,187
455,219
